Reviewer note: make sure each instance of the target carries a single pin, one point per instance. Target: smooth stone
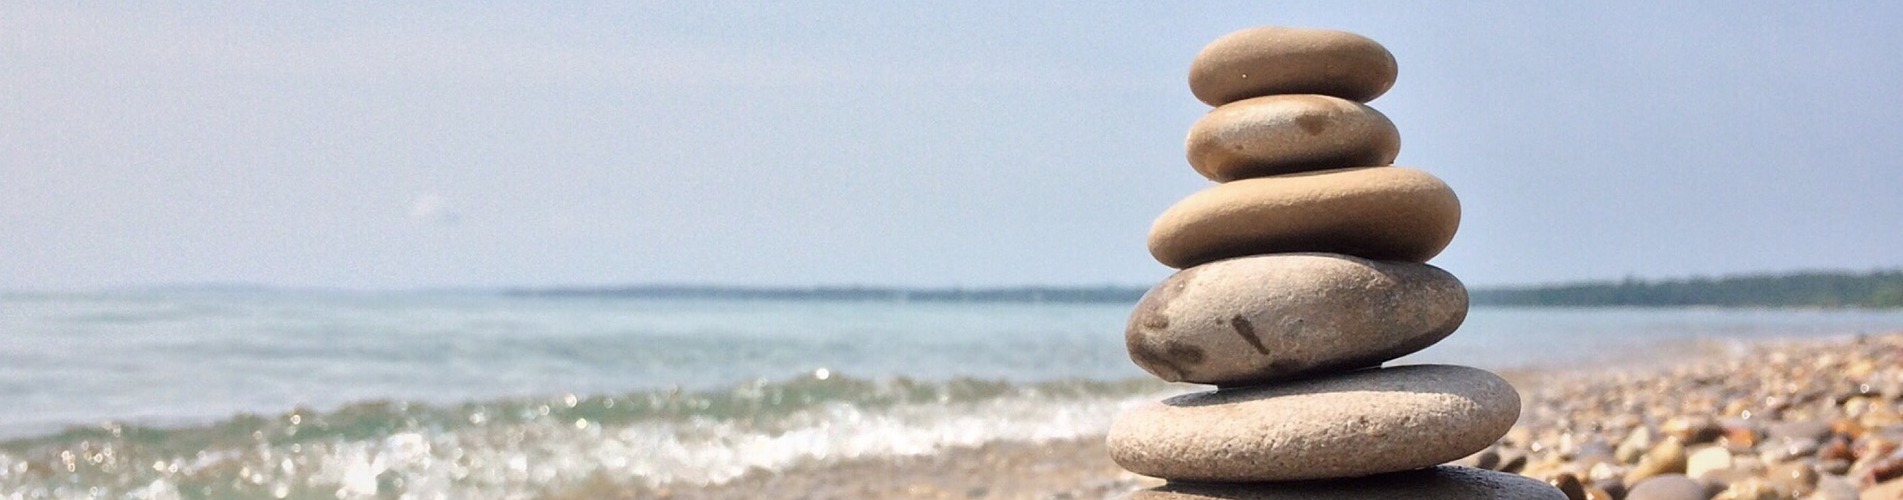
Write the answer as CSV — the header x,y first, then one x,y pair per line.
x,y
1281,134
1750,489
1668,487
1444,482
1381,213
1814,430
1834,487
1799,478
1634,445
1666,458
1344,425
1272,317
1488,459
1788,449
1273,60
1892,490
1707,460
1692,429
1614,488
1569,485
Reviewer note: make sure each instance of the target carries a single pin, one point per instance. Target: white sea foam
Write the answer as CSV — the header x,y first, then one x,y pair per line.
x,y
542,456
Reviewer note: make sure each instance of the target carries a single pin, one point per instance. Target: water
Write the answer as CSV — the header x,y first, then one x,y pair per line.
x,y
335,395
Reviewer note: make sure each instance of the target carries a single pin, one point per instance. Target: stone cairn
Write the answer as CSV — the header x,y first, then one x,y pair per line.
x,y
1302,272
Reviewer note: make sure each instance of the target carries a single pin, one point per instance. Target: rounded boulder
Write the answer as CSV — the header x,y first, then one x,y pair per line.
x,y
1272,317
1338,426
1382,213
1273,60
1282,134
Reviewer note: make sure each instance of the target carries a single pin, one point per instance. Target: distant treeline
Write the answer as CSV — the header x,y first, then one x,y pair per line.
x,y
1878,289
1105,294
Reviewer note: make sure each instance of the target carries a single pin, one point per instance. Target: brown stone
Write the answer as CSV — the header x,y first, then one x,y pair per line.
x,y
1381,213
1280,134
1276,60
1692,429
1796,478
1272,317
1569,485
1347,425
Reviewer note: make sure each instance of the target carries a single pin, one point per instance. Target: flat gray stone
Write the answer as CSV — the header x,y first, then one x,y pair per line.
x,y
1273,317
1438,483
1346,425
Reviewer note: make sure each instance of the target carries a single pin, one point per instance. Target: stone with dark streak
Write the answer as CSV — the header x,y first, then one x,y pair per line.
x,y
1272,317
1345,425
1282,134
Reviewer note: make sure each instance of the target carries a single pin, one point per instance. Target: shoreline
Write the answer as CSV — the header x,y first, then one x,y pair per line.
x,y
1746,415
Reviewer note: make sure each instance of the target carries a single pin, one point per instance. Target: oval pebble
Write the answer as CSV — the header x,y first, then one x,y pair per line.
x,y
1381,213
1669,487
1273,60
1282,134
1271,317
1345,425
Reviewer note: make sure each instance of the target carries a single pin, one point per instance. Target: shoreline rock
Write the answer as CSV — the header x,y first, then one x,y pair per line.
x,y
1284,134
1335,426
1265,318
1272,60
1379,213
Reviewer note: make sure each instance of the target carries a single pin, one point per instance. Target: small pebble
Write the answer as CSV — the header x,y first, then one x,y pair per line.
x,y
1668,487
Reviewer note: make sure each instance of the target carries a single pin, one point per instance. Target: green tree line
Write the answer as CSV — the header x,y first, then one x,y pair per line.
x,y
1876,289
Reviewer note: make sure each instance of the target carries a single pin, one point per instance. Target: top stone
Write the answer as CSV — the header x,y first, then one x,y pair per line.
x,y
1273,60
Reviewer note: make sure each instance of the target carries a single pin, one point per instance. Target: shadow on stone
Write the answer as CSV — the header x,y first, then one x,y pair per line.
x,y
1443,482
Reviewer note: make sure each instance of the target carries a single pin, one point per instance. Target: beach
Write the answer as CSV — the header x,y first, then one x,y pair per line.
x,y
247,395
1770,419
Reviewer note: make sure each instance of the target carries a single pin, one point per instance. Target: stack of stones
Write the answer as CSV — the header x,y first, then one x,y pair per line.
x,y
1302,272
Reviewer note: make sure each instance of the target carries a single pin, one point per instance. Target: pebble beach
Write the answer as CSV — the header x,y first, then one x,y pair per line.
x,y
1809,419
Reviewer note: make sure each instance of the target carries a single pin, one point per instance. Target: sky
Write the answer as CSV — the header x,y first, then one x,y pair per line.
x,y
973,144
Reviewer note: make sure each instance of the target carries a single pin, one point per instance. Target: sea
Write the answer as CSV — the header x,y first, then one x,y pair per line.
x,y
326,394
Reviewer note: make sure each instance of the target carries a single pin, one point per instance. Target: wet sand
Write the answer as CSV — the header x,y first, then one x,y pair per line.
x,y
1773,419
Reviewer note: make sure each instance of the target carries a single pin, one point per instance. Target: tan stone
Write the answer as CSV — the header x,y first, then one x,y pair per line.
x,y
1705,460
1276,60
1666,458
1891,490
1346,425
1668,487
1382,213
1280,134
1438,483
1271,317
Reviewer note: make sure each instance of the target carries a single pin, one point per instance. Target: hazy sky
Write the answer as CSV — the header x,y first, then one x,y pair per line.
x,y
898,143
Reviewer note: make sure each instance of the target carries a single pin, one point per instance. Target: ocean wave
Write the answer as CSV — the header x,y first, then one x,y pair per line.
x,y
532,447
